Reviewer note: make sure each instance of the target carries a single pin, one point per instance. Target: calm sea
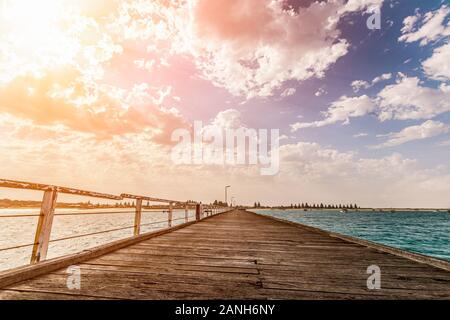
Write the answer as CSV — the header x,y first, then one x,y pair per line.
x,y
18,231
421,232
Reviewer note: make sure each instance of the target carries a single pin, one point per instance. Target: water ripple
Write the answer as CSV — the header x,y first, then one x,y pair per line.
x,y
416,231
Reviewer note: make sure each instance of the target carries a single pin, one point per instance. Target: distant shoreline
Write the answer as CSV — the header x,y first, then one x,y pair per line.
x,y
10,204
362,209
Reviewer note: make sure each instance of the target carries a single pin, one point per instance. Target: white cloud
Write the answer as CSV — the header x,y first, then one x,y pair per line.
x,y
360,135
361,84
438,65
316,162
408,99
228,119
341,111
358,5
320,92
251,47
426,130
340,176
432,26
383,77
288,92
409,23
145,64
328,175
357,85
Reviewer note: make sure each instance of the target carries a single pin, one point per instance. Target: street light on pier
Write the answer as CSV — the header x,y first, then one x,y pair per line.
x,y
226,194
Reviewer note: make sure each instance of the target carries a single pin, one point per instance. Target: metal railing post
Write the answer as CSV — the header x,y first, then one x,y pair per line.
x,y
44,226
137,217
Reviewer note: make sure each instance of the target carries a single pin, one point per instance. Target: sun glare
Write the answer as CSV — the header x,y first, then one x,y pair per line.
x,y
34,33
32,17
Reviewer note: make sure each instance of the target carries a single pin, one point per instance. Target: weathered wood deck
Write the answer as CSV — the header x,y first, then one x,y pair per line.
x,y
241,255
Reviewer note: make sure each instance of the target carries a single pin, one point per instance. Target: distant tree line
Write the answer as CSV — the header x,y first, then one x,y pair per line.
x,y
321,206
312,206
220,203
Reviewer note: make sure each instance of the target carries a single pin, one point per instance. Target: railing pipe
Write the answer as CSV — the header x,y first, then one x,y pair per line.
x,y
45,187
48,205
130,196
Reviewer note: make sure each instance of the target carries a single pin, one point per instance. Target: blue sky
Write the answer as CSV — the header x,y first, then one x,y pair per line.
x,y
372,53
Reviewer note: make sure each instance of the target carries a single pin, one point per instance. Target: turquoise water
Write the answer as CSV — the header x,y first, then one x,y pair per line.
x,y
421,232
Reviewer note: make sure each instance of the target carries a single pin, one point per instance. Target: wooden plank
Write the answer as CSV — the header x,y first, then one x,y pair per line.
x,y
138,287
245,256
341,279
30,295
204,261
170,214
409,293
89,273
198,210
164,267
351,270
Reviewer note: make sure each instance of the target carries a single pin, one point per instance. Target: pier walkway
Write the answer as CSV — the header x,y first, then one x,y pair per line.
x,y
236,255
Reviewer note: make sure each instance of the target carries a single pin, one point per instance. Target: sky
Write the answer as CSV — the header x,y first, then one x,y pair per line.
x,y
91,92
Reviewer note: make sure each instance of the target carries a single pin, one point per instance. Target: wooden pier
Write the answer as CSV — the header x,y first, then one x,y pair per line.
x,y
234,255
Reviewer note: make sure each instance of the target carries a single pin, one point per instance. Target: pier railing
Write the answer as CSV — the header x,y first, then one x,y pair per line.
x,y
42,237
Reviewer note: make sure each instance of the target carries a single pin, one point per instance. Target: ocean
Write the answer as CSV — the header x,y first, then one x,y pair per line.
x,y
422,232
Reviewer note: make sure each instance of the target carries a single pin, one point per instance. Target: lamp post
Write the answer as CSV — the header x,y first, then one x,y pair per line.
x,y
232,201
226,194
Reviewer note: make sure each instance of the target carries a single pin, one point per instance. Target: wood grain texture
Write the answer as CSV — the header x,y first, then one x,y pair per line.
x,y
138,217
241,255
44,226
